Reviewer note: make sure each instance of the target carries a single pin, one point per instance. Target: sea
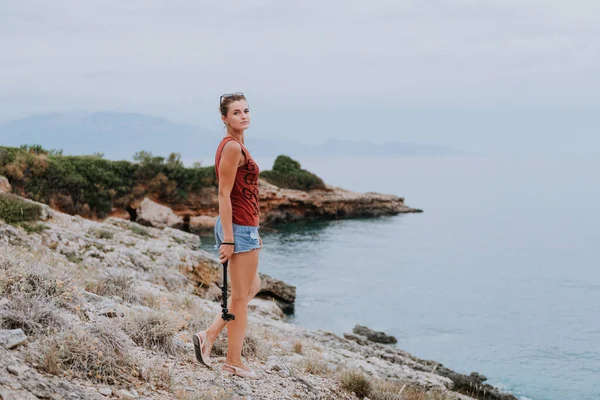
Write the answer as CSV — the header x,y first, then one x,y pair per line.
x,y
500,274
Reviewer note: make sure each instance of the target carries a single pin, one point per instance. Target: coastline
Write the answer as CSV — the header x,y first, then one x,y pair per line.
x,y
147,255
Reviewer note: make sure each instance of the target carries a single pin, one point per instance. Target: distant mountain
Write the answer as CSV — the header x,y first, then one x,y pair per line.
x,y
120,135
117,135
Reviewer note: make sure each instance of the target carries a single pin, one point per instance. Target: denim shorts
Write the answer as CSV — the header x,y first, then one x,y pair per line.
x,y
246,238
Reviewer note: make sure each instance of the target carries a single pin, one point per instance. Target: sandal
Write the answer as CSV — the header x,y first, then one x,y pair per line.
x,y
199,340
240,372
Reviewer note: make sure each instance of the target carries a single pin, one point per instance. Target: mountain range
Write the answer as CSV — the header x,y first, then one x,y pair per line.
x,y
120,135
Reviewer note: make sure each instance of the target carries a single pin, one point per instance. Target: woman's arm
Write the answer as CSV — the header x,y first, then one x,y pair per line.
x,y
228,165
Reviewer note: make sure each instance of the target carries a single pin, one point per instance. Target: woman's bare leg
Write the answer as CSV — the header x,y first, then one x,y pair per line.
x,y
218,324
243,269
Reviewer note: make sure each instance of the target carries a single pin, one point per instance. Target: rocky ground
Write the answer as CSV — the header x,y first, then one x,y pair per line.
x,y
92,310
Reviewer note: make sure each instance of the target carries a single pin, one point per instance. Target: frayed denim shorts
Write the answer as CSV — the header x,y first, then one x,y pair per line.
x,y
246,238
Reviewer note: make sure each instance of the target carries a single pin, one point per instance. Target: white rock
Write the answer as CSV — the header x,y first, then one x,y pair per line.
x,y
157,215
105,391
12,338
266,308
124,394
4,185
17,370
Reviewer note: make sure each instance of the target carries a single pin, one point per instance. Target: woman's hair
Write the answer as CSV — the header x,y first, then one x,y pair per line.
x,y
227,100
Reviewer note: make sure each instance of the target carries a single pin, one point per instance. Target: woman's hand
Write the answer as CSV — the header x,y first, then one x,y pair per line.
x,y
225,252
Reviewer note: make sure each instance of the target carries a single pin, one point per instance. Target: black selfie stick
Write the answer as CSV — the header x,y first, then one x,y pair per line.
x,y
226,316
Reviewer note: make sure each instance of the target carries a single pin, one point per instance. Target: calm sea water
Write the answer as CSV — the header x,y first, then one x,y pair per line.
x,y
499,275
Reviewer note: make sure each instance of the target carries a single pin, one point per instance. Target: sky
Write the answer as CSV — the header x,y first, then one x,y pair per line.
x,y
490,76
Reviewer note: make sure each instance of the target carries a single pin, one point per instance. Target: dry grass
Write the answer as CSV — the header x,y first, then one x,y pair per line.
x,y
153,330
313,364
159,377
256,348
115,285
99,353
195,316
298,347
391,390
35,315
184,302
356,382
138,230
38,275
152,301
103,234
417,393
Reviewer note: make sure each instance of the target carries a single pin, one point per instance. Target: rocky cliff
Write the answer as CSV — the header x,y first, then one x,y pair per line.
x,y
278,205
92,310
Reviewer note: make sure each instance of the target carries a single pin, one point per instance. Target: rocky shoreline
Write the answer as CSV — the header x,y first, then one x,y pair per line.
x,y
89,280
278,205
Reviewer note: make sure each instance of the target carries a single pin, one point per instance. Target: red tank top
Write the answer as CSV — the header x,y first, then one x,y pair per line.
x,y
244,194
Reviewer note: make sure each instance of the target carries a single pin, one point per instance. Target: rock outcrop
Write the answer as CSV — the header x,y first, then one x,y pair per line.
x,y
153,214
4,185
287,205
374,336
277,205
167,256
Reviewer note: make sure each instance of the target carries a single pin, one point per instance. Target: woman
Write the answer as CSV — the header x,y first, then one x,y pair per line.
x,y
236,234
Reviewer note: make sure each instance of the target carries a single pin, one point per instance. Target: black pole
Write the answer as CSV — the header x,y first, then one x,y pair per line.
x,y
226,316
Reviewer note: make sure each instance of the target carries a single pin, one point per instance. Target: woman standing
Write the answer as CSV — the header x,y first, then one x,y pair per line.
x,y
236,233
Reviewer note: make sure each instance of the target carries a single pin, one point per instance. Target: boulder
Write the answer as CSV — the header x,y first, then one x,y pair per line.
x,y
4,185
265,307
378,337
278,289
153,214
11,338
202,223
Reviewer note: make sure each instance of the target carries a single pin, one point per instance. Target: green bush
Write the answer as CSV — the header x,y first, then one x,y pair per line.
x,y
15,210
287,173
35,227
92,186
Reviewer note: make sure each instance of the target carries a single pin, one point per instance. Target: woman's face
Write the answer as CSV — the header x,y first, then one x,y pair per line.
x,y
238,115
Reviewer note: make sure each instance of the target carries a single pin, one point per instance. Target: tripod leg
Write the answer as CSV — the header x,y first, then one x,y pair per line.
x,y
226,316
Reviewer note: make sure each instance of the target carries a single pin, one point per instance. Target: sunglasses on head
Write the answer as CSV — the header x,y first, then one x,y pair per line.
x,y
228,95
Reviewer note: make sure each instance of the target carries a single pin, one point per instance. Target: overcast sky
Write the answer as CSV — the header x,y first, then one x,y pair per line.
x,y
484,75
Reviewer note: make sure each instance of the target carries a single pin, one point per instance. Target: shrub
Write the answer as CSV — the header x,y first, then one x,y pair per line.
x,y
287,173
298,347
161,377
92,186
33,314
152,330
37,275
35,227
115,285
138,230
315,366
356,382
15,210
104,234
99,353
